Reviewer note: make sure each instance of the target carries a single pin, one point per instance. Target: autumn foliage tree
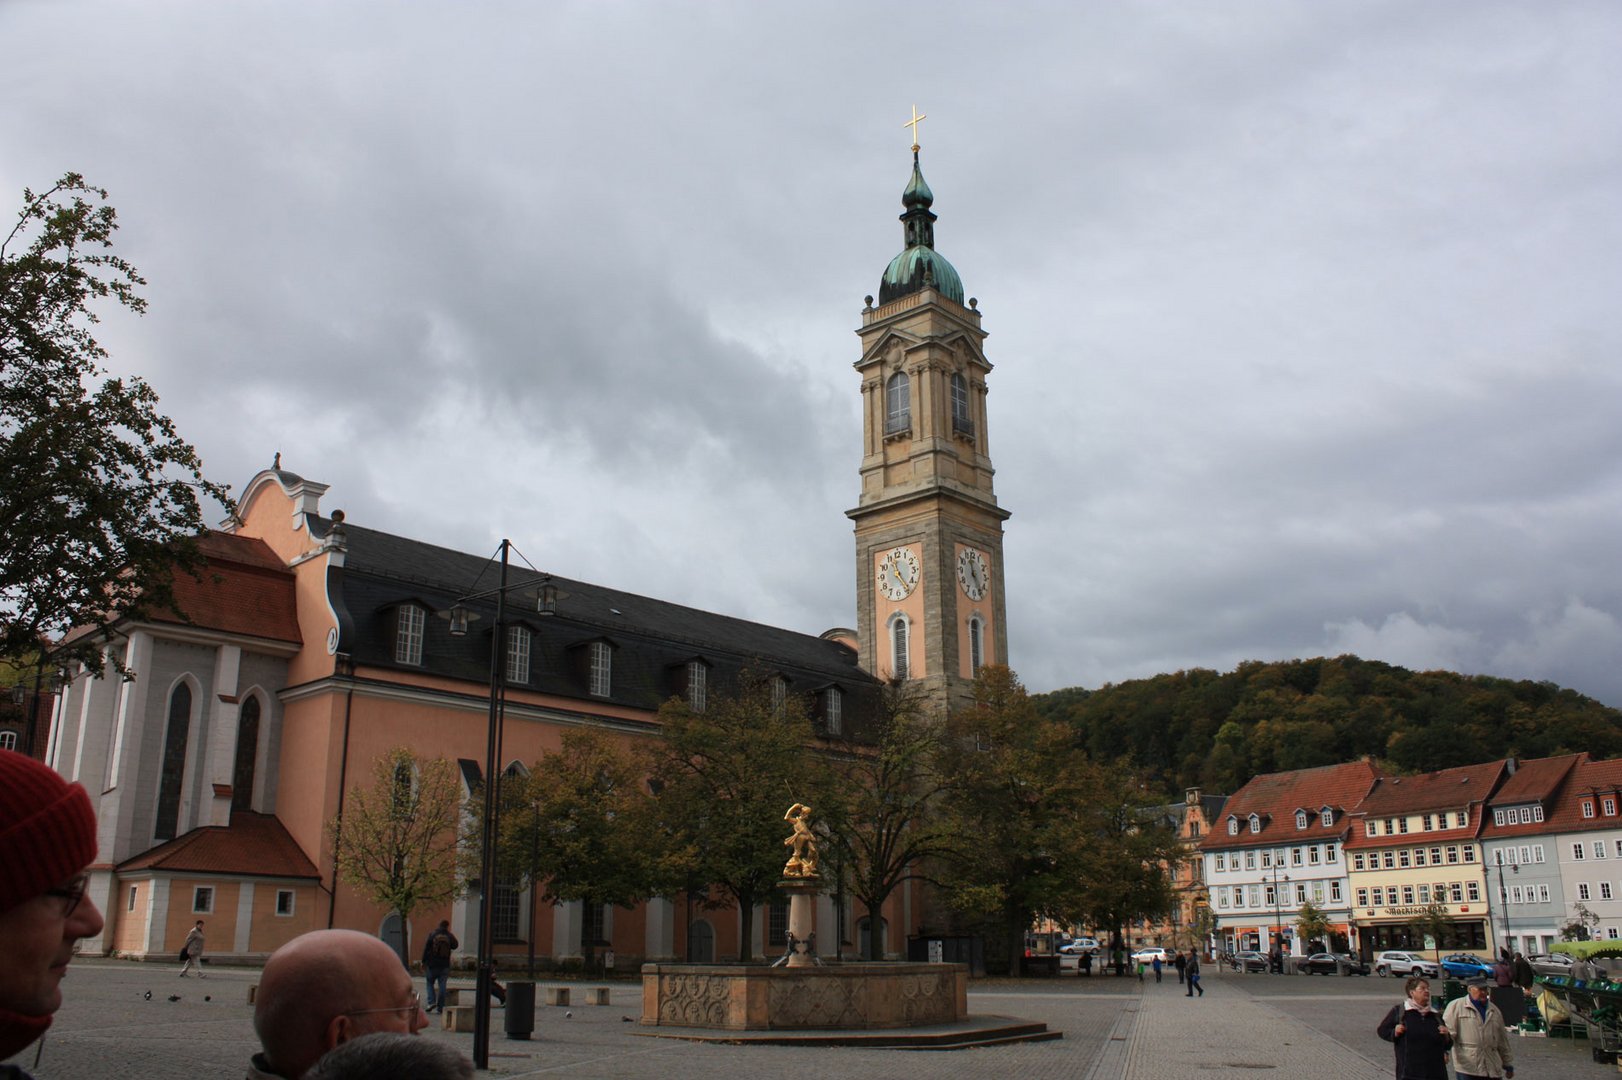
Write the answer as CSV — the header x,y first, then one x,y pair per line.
x,y
100,495
395,841
884,826
725,775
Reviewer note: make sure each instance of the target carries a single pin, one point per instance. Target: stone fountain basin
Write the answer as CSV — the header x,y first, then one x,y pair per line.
x,y
746,997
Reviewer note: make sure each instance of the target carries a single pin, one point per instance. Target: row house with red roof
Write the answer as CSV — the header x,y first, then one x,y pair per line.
x,y
1586,822
1414,844
1277,846
1521,859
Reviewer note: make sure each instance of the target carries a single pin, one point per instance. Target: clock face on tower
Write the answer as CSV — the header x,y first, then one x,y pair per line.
x,y
898,574
972,573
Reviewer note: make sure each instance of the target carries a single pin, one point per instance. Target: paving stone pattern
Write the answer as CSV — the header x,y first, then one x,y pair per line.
x,y
1114,1029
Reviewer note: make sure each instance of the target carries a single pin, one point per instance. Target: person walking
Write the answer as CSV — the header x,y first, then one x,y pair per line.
x,y
191,953
1524,975
436,964
1194,975
1180,962
1481,1047
1418,1033
1157,967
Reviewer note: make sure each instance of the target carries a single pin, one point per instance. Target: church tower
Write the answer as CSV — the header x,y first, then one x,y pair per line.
x,y
929,569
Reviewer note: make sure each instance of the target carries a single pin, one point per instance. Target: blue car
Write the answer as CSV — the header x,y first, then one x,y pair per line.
x,y
1466,966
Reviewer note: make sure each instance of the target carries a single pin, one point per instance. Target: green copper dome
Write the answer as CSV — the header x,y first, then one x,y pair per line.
x,y
920,264
916,267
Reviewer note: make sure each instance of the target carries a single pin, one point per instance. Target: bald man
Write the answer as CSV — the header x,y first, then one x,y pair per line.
x,y
322,989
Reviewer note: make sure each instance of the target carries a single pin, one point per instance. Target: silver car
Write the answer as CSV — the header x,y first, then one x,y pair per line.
x,y
1406,963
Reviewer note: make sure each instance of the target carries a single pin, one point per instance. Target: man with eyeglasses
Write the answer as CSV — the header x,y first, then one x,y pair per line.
x,y
47,838
323,989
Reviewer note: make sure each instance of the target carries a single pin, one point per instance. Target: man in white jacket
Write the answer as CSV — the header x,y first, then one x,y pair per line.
x,y
1481,1049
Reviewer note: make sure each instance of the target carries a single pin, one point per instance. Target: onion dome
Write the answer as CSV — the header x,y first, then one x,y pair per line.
x,y
920,264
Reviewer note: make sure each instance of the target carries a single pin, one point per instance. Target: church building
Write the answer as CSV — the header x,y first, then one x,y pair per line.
x,y
312,645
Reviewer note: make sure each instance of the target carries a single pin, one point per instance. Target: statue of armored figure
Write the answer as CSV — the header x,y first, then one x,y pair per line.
x,y
802,843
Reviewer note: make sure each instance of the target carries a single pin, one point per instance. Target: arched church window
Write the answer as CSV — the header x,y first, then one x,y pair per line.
x,y
962,419
247,755
898,404
976,645
172,772
898,647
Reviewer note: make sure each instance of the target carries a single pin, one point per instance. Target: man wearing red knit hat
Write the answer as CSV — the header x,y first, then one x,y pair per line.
x,y
47,838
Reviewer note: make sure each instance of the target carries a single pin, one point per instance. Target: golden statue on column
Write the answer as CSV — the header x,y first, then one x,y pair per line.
x,y
802,843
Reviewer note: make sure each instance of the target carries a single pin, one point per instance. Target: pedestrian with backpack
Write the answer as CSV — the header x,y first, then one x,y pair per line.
x,y
436,964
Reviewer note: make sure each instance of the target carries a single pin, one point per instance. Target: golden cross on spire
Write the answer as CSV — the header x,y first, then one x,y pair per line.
x,y
913,123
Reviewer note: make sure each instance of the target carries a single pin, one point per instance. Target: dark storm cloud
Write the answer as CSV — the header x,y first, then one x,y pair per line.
x,y
1303,314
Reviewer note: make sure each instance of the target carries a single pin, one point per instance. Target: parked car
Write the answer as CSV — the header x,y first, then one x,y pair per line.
x,y
1150,955
1551,963
1466,966
1080,945
1249,960
1331,963
1405,963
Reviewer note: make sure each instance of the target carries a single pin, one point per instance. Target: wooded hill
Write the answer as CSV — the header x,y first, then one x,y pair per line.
x,y
1217,730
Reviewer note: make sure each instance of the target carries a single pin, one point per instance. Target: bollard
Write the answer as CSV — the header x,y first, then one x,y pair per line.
x,y
520,1011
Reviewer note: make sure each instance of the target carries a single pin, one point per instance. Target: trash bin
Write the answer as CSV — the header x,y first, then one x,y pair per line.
x,y
1451,990
520,1011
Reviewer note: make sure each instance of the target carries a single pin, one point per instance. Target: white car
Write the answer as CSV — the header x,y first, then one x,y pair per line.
x,y
1405,963
1080,945
1150,955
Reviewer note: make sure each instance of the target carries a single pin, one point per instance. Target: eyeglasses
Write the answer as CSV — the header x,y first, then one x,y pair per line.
x,y
408,1011
71,893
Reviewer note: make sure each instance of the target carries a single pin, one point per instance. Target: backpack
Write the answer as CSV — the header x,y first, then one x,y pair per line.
x,y
439,949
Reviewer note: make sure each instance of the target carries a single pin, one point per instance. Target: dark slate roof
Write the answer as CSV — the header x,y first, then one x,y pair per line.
x,y
652,639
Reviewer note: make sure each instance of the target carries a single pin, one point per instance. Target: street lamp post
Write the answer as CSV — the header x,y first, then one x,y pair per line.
x,y
459,618
1278,917
1503,895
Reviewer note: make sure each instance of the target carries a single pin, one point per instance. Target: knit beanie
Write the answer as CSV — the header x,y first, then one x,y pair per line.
x,y
47,829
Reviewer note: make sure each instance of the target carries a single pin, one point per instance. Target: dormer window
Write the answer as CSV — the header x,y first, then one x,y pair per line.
x,y
1233,825
409,620
1608,804
600,663
1588,808
518,640
1327,818
1300,819
1371,828
833,710
697,685
1464,817
1255,823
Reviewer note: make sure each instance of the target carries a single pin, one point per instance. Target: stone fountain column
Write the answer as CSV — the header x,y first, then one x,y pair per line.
x,y
802,896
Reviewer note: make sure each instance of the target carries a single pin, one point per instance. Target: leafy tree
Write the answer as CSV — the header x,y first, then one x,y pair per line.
x,y
883,825
1582,925
99,493
1127,848
577,827
396,841
1312,924
1434,922
1020,847
724,778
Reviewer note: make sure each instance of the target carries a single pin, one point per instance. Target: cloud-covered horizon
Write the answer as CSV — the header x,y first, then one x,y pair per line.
x,y
1303,316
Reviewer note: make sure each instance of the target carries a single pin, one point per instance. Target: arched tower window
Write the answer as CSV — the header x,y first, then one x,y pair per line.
x,y
172,774
247,755
898,404
898,647
977,645
962,418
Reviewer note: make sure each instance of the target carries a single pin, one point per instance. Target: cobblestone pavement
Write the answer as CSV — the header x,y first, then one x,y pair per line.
x,y
1114,1029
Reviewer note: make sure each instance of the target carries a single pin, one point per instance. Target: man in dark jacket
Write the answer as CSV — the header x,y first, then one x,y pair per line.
x,y
1418,1034
436,963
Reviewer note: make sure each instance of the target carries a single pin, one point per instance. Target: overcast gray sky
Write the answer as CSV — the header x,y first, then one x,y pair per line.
x,y
1305,315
